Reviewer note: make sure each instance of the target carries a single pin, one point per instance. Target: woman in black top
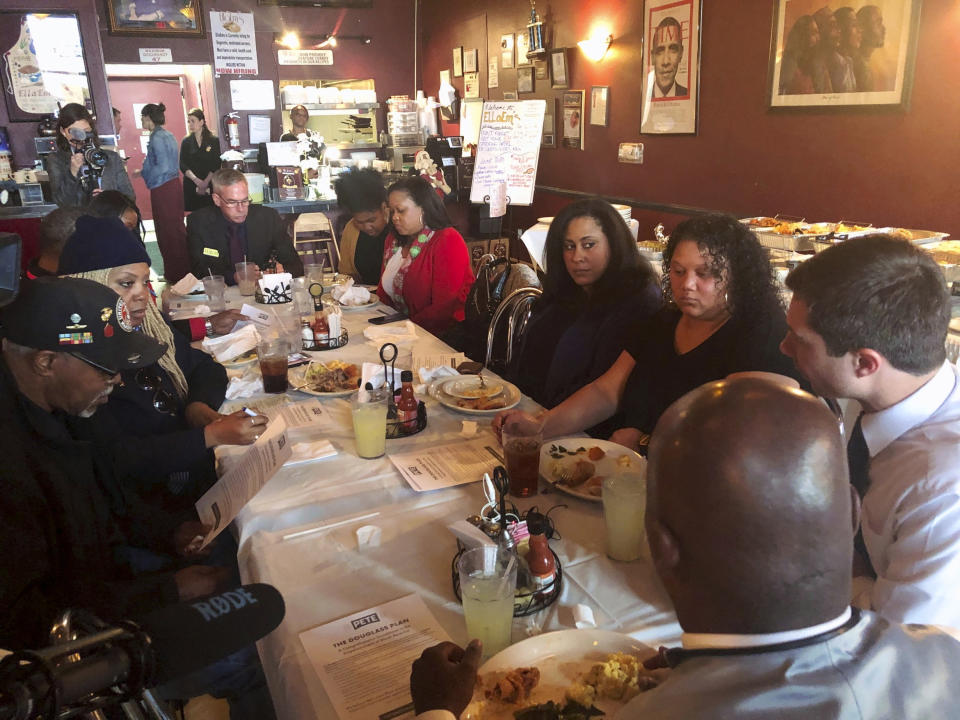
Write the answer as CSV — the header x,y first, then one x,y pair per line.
x,y
362,194
597,284
725,316
199,159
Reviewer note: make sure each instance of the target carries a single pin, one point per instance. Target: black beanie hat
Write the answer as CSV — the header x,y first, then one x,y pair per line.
x,y
98,244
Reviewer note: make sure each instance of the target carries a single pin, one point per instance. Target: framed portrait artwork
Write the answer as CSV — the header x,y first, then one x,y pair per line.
x,y
170,18
571,107
525,79
558,68
522,46
671,82
599,112
42,64
860,54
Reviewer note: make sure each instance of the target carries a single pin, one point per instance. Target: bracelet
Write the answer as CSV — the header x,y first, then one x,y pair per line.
x,y
209,327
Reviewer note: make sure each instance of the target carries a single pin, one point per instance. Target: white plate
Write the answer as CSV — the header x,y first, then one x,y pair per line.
x,y
374,300
563,657
511,396
545,220
605,466
468,387
241,361
296,377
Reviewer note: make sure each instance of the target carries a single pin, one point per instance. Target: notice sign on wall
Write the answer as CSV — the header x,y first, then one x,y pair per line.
x,y
305,57
234,43
156,55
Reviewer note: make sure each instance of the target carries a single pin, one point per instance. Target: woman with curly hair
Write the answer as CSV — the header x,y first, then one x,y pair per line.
x,y
597,284
724,316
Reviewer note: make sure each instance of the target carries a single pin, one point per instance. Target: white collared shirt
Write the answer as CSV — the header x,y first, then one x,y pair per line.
x,y
714,641
911,511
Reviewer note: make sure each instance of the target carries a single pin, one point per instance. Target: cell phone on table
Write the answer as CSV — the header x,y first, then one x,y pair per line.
x,y
383,319
296,359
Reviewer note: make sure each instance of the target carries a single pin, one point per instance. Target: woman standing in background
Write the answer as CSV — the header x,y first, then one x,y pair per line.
x,y
199,159
162,177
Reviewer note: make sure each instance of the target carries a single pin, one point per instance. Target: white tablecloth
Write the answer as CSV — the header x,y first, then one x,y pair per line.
x,y
535,240
323,576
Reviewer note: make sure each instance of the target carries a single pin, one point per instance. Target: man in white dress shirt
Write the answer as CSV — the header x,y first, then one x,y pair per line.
x,y
750,521
868,321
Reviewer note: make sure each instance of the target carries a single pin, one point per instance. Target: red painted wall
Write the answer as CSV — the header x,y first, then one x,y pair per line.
x,y
890,167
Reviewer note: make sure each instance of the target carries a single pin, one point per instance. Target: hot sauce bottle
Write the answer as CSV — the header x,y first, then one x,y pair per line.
x,y
407,404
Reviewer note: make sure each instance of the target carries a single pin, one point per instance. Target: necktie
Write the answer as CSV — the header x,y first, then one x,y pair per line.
x,y
858,462
236,246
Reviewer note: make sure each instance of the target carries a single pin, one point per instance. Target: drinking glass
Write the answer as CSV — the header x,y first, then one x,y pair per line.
x,y
488,580
521,449
624,507
370,422
247,275
273,364
215,287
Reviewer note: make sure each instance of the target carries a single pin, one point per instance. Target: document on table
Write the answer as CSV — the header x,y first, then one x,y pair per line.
x,y
310,414
221,503
431,361
448,465
363,660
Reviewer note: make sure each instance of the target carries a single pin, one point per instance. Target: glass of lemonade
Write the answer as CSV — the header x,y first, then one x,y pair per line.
x,y
488,579
370,422
624,507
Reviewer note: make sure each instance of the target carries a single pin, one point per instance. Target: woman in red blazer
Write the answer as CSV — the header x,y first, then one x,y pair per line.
x,y
426,265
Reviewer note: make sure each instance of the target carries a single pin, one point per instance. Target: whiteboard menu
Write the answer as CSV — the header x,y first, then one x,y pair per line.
x,y
509,150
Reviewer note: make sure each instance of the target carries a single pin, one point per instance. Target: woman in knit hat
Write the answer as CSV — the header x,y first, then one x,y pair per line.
x,y
162,421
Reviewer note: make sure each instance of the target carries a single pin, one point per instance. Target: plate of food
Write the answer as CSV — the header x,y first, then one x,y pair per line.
x,y
509,397
537,677
577,465
329,379
374,300
469,387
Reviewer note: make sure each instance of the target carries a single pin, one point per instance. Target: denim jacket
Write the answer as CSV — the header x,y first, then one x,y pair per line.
x,y
162,163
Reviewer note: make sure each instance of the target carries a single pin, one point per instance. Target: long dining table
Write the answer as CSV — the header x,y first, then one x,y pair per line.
x,y
299,535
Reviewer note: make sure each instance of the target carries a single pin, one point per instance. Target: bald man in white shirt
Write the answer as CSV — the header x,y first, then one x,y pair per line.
x,y
868,322
750,521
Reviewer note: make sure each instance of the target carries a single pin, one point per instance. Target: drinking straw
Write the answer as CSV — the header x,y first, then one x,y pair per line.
x,y
502,588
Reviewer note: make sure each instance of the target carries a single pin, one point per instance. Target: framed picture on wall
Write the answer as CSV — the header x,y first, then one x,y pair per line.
x,y
541,69
171,18
860,54
470,60
525,79
599,112
572,117
672,78
506,50
549,131
509,95
523,45
558,68
458,62
43,64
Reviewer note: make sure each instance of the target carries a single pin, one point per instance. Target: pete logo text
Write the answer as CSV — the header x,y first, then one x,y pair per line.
x,y
365,620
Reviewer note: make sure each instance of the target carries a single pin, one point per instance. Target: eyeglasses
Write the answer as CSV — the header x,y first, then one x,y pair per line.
x,y
91,363
234,203
163,401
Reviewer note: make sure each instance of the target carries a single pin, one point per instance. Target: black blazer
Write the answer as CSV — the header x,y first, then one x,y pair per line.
x,y
209,245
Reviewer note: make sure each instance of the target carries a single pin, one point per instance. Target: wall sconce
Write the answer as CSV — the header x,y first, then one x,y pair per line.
x,y
595,47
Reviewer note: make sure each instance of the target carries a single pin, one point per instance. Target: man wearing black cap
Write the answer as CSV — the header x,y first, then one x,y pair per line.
x,y
65,343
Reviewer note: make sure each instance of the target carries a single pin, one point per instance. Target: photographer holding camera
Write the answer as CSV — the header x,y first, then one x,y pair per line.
x,y
79,169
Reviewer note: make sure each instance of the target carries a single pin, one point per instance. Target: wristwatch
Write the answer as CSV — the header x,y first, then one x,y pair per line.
x,y
209,326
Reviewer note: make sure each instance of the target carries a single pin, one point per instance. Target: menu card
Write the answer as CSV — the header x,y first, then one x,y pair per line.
x,y
221,503
363,660
445,466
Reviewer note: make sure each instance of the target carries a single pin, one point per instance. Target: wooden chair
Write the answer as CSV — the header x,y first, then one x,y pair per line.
x,y
313,237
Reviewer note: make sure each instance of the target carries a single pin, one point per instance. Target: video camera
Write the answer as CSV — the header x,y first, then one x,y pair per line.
x,y
94,159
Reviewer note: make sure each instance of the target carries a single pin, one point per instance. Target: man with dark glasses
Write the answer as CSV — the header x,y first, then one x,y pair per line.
x,y
235,231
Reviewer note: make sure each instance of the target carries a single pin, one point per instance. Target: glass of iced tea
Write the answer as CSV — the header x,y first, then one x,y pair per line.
x,y
273,364
521,449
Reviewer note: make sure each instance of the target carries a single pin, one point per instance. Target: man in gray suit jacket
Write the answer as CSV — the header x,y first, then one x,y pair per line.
x,y
750,519
233,230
